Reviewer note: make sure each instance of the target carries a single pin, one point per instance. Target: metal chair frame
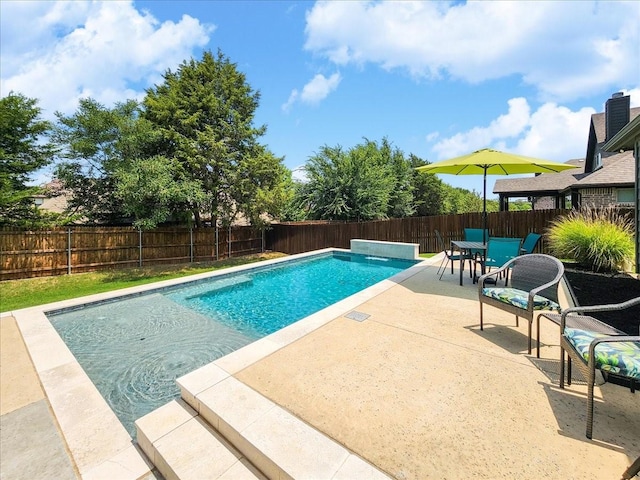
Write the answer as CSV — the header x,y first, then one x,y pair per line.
x,y
449,257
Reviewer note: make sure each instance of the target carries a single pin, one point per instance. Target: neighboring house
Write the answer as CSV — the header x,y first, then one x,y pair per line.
x,y
54,199
628,139
602,179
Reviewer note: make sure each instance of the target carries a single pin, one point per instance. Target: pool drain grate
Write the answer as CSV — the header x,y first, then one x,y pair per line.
x,y
358,316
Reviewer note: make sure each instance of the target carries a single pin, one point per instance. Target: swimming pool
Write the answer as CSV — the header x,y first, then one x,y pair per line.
x,y
134,348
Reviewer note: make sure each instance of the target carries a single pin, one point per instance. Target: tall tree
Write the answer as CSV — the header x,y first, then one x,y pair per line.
x,y
296,209
23,150
429,191
401,201
94,143
352,185
204,113
152,192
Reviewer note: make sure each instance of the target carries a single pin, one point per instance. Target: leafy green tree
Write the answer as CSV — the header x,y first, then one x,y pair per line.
x,y
264,189
519,205
461,200
401,201
152,193
23,150
296,209
429,192
94,143
204,114
353,185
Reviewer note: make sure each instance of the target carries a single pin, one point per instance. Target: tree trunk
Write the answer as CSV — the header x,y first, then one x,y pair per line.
x,y
197,219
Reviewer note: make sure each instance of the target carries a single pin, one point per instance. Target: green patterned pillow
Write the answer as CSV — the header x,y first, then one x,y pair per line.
x,y
622,358
519,298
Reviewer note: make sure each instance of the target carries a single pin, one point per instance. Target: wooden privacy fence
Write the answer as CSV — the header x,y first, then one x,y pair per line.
x,y
302,237
26,254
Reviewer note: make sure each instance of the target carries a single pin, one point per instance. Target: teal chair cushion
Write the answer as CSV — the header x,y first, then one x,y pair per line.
x,y
622,358
519,298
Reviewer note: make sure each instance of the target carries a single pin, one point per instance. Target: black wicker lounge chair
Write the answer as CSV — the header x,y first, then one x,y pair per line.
x,y
533,287
594,345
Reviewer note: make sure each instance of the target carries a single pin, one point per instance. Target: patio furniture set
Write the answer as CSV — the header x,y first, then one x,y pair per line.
x,y
479,248
530,291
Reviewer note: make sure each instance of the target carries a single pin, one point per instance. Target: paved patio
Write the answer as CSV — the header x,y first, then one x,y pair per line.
x,y
416,389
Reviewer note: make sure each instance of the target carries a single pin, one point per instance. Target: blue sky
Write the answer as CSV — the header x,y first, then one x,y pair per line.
x,y
438,79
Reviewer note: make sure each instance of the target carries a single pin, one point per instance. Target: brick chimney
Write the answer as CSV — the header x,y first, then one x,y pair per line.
x,y
616,113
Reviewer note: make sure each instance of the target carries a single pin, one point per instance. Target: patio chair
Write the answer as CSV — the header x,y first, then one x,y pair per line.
x,y
499,251
475,235
533,288
593,345
449,256
530,243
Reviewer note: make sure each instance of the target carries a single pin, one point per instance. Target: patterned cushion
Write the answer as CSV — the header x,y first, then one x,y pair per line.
x,y
622,358
519,298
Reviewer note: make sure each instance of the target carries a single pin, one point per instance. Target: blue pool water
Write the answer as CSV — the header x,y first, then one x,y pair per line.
x,y
133,349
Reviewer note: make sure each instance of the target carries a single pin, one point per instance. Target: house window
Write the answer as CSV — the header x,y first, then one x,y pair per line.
x,y
38,201
598,161
626,195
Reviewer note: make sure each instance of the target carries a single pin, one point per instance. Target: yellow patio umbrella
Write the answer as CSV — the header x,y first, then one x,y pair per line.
x,y
493,162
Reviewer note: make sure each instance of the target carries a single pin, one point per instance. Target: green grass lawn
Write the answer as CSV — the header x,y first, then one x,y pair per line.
x,y
16,294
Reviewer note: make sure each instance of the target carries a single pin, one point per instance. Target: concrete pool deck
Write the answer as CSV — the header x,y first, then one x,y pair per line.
x,y
415,390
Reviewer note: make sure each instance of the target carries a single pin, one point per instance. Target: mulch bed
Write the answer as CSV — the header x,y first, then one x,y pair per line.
x,y
599,289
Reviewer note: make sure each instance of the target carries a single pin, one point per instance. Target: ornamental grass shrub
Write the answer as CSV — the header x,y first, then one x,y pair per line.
x,y
600,239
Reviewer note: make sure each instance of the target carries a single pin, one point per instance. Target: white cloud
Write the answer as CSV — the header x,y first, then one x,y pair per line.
x,y
432,137
556,133
316,90
552,132
510,125
319,88
293,97
635,96
564,49
108,50
299,173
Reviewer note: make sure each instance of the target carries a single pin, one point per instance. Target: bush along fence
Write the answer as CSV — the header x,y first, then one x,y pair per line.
x,y
298,237
25,254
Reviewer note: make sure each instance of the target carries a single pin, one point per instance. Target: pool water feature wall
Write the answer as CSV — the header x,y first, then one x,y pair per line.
x,y
408,251
134,349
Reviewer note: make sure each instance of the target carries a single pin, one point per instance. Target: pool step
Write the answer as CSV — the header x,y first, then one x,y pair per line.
x,y
221,428
278,443
182,446
220,285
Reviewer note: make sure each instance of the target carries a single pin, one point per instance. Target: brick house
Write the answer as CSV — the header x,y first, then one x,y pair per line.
x,y
628,139
603,178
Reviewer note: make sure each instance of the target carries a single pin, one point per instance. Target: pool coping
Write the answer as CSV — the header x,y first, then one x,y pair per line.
x,y
98,443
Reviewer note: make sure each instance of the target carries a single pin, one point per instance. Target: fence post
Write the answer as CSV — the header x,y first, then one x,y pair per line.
x,y
262,229
229,241
216,242
140,247
69,251
191,244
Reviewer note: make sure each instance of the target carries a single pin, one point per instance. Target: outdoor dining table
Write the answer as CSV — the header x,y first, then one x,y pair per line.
x,y
464,247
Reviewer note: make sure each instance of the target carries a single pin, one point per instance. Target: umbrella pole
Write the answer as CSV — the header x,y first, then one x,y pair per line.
x,y
484,207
